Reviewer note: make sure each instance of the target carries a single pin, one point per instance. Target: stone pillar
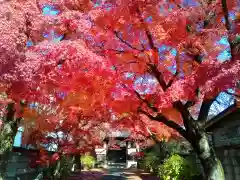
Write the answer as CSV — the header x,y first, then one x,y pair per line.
x,y
78,162
105,146
137,147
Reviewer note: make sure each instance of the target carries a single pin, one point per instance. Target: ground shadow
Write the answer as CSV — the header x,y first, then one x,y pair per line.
x,y
87,175
148,177
139,175
113,174
112,177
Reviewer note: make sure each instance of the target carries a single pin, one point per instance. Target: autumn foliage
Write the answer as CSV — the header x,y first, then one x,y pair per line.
x,y
144,65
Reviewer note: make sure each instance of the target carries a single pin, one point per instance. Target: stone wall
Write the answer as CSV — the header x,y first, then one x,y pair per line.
x,y
18,167
226,141
227,133
230,159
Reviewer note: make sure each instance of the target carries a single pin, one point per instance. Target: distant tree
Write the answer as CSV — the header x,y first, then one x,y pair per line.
x,y
34,69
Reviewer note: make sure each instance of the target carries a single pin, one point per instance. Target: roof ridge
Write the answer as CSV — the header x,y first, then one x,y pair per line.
x,y
221,115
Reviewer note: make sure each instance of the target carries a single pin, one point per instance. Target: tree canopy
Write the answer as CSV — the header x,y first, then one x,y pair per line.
x,y
151,66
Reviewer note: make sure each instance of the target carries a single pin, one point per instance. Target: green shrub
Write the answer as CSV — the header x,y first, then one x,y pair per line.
x,y
150,161
88,161
61,169
153,157
177,168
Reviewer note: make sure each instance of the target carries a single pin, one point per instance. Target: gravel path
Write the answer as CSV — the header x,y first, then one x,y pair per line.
x,y
113,174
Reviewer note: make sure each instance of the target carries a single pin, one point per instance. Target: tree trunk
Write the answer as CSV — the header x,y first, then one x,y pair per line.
x,y
211,165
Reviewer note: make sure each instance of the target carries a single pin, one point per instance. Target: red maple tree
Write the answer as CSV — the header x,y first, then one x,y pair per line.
x,y
186,74
148,61
62,78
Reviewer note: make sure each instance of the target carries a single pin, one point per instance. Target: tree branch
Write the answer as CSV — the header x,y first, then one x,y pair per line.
x,y
232,94
186,116
225,11
143,100
203,113
10,113
125,42
228,26
153,67
38,6
176,73
169,123
154,71
147,32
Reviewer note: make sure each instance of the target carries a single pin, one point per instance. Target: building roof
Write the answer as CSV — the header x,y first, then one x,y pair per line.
x,y
220,117
122,133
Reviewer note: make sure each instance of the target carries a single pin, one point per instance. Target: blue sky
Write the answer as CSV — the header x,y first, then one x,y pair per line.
x,y
18,138
49,10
